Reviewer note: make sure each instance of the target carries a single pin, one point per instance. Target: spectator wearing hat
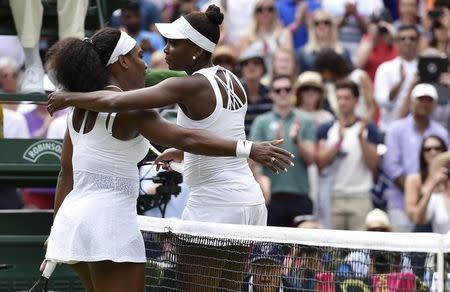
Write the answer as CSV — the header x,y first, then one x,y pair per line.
x,y
289,191
378,220
224,56
251,70
309,92
266,270
403,140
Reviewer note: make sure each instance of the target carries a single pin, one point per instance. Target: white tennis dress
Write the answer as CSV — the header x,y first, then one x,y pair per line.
x,y
222,189
97,220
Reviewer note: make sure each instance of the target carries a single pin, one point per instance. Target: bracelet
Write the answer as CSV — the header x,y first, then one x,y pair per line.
x,y
243,148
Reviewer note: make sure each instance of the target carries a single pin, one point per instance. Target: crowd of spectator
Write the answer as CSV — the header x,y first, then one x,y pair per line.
x,y
358,90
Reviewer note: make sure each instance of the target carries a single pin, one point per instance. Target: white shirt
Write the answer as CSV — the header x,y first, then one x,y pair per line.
x,y
359,180
437,213
15,125
387,75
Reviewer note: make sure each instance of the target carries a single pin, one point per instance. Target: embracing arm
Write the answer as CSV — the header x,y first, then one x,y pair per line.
x,y
168,92
65,177
164,133
202,142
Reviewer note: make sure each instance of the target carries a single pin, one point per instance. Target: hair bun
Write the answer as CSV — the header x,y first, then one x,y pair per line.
x,y
214,14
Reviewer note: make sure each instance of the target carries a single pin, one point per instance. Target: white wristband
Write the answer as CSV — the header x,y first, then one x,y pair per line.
x,y
243,148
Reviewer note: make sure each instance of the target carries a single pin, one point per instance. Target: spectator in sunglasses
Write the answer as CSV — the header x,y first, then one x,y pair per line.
x,y
322,33
425,189
267,32
394,78
289,191
352,18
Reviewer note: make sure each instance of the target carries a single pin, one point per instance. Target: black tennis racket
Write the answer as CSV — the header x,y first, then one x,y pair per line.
x,y
41,285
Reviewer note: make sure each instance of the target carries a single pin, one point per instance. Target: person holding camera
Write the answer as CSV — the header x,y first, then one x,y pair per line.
x,y
427,194
377,46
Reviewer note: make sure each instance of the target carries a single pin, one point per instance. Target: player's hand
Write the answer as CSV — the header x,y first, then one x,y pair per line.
x,y
56,101
167,156
271,156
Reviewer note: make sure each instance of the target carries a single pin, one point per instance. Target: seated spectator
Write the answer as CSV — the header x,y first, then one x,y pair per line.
x,y
267,32
309,92
251,70
322,33
403,141
266,271
224,56
427,201
440,39
158,61
377,220
149,41
333,68
352,18
294,15
237,25
289,191
14,127
344,144
408,14
284,62
420,186
393,78
9,73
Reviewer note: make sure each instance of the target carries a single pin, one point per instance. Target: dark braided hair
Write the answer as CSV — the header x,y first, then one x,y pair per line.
x,y
80,65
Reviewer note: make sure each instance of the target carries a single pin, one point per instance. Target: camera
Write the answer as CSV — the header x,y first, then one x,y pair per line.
x,y
435,13
376,18
431,67
169,185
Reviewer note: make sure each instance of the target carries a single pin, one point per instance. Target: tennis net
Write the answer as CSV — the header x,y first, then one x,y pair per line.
x,y
193,256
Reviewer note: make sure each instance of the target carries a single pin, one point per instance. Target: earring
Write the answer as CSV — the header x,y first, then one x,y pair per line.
x,y
194,58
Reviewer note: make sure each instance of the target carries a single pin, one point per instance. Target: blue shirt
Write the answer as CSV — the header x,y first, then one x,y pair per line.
x,y
155,39
286,12
403,142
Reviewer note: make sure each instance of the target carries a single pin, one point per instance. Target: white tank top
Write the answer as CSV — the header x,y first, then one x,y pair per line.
x,y
220,180
98,152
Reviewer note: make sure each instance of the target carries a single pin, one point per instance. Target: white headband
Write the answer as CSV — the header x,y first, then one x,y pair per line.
x,y
123,47
182,29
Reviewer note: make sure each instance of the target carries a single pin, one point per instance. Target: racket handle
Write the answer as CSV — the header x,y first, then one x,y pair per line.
x,y
49,268
177,166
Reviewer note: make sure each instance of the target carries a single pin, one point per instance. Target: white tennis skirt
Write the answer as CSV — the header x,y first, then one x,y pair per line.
x,y
97,226
246,215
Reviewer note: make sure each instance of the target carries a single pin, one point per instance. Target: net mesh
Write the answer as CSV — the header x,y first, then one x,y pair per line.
x,y
193,256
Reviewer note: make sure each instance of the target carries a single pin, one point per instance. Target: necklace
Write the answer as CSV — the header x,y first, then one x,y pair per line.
x,y
113,86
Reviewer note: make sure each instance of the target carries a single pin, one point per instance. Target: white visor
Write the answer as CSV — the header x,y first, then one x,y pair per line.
x,y
123,47
182,29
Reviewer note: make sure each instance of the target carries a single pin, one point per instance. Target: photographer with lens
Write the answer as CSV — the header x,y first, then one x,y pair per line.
x,y
377,46
427,194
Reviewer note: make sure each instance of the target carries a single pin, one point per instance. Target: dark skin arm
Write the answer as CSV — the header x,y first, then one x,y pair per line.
x,y
161,132
179,90
65,177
